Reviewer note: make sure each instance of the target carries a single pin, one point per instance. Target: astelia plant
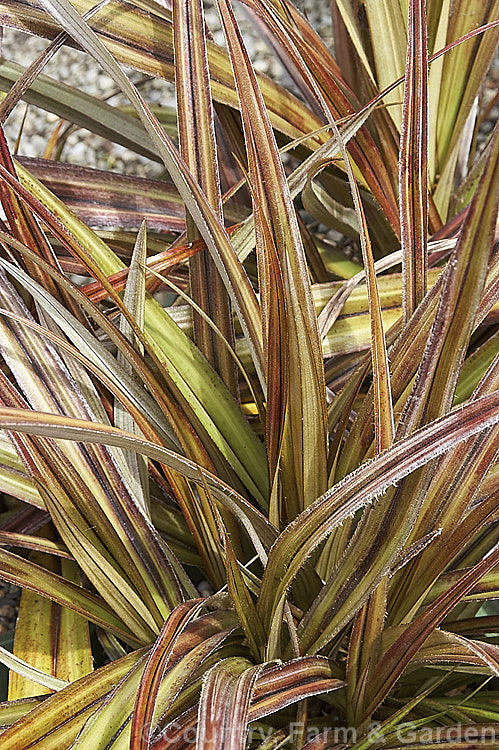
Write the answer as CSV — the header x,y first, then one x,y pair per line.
x,y
263,514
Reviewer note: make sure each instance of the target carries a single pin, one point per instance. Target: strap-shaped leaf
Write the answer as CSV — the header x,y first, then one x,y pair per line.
x,y
243,603
225,703
82,109
48,636
398,656
28,575
413,172
111,722
462,291
156,665
387,24
198,148
361,487
51,716
175,351
112,202
276,688
280,253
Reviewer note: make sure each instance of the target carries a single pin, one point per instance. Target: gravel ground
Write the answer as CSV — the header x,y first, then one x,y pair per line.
x,y
77,69
82,147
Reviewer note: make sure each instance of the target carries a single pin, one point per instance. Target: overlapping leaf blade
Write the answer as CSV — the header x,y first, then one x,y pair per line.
x,y
413,176
238,486
361,487
301,430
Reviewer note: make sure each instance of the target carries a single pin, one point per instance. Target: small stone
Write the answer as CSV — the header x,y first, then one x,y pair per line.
x,y
205,588
7,611
78,153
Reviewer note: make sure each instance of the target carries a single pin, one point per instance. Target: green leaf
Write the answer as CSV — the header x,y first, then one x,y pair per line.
x,y
143,39
159,660
28,672
134,300
389,34
243,603
35,578
364,485
84,110
398,656
51,716
200,387
111,722
462,291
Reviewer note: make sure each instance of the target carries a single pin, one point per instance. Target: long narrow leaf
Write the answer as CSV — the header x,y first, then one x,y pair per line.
x,y
304,428
224,705
198,148
368,482
413,175
399,655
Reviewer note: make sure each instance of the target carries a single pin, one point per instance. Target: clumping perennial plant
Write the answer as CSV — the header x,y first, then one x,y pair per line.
x,y
305,430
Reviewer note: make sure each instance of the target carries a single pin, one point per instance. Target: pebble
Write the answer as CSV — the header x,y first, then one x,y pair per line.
x,y
9,606
74,67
